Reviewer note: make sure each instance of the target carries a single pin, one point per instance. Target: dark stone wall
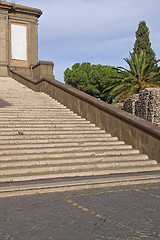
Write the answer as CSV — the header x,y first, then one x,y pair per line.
x,y
145,105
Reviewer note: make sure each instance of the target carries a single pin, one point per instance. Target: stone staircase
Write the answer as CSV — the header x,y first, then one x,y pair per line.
x,y
41,140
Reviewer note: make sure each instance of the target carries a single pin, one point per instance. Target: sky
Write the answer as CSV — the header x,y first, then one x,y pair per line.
x,y
95,31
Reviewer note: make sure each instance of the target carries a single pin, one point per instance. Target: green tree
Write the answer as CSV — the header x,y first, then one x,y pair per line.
x,y
143,73
143,42
91,79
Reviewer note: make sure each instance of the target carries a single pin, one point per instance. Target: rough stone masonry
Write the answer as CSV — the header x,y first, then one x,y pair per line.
x,y
145,105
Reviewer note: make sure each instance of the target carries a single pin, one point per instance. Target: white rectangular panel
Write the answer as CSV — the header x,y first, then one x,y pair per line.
x,y
19,42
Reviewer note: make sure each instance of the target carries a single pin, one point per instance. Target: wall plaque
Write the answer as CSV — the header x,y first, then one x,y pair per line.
x,y
19,42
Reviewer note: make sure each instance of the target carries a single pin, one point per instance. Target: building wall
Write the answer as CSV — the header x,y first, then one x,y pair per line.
x,y
32,39
4,43
11,13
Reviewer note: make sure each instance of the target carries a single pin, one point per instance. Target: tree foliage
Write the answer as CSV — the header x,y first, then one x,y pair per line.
x,y
91,79
115,84
142,73
143,42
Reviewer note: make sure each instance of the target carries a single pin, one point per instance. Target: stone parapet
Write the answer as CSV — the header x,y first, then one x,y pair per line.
x,y
132,130
42,69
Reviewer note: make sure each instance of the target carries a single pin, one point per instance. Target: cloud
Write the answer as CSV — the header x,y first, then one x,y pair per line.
x,y
98,31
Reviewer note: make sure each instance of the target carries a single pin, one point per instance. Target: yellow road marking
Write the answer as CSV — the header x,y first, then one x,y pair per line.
x,y
118,224
69,201
99,216
103,217
150,194
114,191
75,204
85,209
80,207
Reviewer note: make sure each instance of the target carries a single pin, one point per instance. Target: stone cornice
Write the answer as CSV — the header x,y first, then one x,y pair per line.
x,y
12,7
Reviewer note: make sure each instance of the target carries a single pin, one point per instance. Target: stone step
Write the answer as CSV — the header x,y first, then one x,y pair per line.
x,y
36,116
32,101
33,107
48,125
28,98
37,121
77,158
77,184
95,141
67,155
39,114
41,118
59,145
36,111
76,137
72,161
25,95
51,110
85,141
62,149
32,104
57,128
18,92
38,103
42,131
56,142
71,168
133,169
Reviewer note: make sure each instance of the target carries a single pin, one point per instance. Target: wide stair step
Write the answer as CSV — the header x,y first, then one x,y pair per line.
x,y
41,140
42,186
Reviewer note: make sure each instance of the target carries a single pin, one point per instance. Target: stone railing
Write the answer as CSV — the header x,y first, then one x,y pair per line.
x,y
139,133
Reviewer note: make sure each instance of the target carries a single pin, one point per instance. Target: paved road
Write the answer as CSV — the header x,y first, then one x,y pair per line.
x,y
112,213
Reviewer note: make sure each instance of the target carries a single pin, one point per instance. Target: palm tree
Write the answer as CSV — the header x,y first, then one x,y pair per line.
x,y
142,74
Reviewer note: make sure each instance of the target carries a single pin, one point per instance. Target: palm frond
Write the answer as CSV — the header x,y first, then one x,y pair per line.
x,y
142,73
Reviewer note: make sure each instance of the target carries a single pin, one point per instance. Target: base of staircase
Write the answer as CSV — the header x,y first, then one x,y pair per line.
x,y
68,184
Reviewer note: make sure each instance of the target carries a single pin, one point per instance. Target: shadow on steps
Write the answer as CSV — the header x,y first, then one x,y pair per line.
x,y
3,103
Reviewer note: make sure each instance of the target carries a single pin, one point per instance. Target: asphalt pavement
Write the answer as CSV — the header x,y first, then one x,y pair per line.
x,y
125,212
